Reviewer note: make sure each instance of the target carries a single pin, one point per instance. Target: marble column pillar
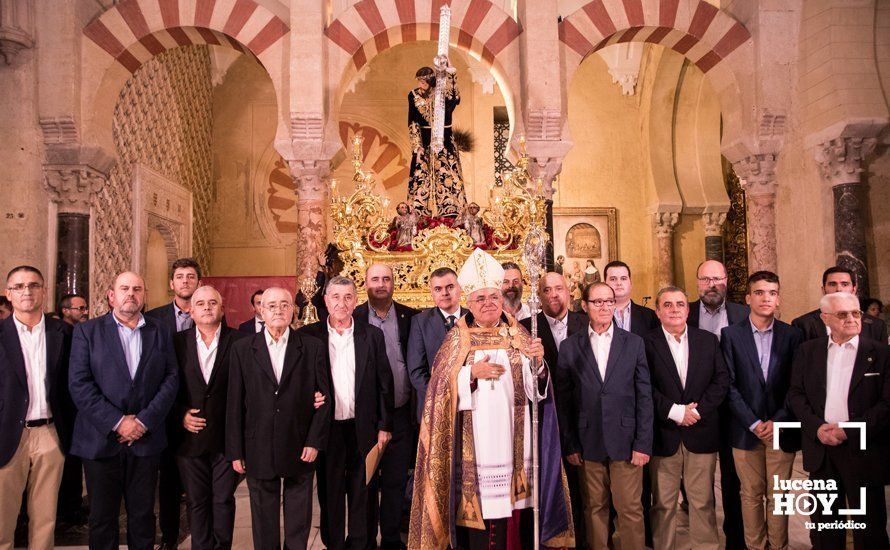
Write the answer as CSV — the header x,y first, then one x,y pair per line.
x,y
841,163
714,235
544,171
758,179
311,183
663,226
72,187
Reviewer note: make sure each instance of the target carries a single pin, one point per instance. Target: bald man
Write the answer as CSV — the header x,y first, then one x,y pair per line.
x,y
123,379
199,444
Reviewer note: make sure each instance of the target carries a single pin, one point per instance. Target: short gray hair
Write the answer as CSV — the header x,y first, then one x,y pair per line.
x,y
667,289
339,280
826,303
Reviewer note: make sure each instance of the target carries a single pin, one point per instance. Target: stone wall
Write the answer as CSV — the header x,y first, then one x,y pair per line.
x,y
163,120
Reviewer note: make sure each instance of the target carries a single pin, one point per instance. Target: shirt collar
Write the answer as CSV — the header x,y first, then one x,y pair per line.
x,y
281,341
764,331
179,312
621,311
555,321
670,337
706,311
139,324
22,327
215,336
609,332
445,314
373,312
332,332
852,342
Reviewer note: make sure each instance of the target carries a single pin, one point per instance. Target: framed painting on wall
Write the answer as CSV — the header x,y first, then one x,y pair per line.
x,y
584,241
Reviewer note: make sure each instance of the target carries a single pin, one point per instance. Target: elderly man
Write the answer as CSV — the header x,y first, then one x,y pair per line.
x,y
839,279
512,289
605,413
273,429
477,415
428,329
844,378
209,480
394,319
123,379
362,397
35,416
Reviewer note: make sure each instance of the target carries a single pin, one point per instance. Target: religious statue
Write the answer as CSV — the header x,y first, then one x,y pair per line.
x,y
471,221
436,186
591,274
405,224
558,266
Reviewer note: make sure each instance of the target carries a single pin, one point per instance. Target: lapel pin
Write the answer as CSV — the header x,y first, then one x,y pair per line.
x,y
869,359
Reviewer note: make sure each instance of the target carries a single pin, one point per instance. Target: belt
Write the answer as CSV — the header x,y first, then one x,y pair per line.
x,y
37,423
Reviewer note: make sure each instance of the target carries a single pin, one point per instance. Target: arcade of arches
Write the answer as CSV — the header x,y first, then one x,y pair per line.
x,y
138,131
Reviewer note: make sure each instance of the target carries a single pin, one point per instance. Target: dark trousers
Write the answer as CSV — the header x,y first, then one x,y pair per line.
x,y
265,509
495,535
169,496
210,484
730,486
132,478
836,466
392,480
71,488
573,477
344,480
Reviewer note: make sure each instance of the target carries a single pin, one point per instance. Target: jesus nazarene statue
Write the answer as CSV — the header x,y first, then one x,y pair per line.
x,y
436,185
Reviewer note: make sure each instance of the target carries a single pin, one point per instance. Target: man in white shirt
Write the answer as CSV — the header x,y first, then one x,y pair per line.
x,y
34,422
844,378
363,402
689,382
512,290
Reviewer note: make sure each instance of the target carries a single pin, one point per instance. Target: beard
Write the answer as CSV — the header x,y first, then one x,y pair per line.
x,y
513,296
714,297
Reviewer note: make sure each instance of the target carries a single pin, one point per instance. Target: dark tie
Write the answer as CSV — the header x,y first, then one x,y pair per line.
x,y
449,322
262,326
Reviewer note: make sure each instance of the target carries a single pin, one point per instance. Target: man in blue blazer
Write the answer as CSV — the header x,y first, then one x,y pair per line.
x,y
428,329
123,379
604,403
759,352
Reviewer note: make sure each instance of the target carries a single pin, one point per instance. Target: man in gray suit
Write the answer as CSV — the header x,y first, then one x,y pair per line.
x,y
428,329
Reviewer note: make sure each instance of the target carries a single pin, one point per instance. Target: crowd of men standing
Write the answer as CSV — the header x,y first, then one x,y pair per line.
x,y
152,405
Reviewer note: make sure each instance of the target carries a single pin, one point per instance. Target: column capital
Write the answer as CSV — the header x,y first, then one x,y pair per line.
x,y
74,175
664,222
545,161
714,223
310,177
841,159
757,174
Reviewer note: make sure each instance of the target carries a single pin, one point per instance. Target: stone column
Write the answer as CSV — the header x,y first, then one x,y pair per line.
x,y
544,171
663,226
73,176
841,163
758,179
714,235
311,183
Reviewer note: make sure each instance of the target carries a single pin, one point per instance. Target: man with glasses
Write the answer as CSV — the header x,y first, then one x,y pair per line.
x,y
711,312
273,429
839,279
605,417
844,378
74,309
362,400
36,411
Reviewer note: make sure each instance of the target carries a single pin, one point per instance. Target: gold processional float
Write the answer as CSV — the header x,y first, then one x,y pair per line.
x,y
363,233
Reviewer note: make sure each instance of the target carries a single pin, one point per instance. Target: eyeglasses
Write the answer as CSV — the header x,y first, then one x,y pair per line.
x,y
711,280
279,307
481,300
600,303
19,288
842,315
81,308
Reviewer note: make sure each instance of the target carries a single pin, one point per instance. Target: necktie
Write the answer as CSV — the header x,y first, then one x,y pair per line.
x,y
449,323
262,326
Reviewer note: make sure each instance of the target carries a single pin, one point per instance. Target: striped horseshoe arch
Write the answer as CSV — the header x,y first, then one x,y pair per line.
x,y
134,31
372,26
698,30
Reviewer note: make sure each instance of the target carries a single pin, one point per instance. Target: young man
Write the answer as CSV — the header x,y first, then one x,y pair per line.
x,y
759,352
605,418
35,417
839,279
689,382
255,324
628,315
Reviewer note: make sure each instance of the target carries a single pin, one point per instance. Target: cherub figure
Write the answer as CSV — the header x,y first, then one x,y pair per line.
x,y
405,224
471,221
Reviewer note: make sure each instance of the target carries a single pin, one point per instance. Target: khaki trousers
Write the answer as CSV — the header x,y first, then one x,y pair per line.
x,y
619,483
756,469
37,464
696,471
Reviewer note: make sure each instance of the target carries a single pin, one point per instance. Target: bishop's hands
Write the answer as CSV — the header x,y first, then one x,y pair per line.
x,y
486,370
831,434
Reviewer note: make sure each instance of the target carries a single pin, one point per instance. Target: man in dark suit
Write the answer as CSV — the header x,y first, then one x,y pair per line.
x,y
845,378
604,403
209,480
394,320
759,352
689,382
362,402
273,430
255,324
629,315
185,276
428,329
35,409
123,379
555,324
711,312
839,279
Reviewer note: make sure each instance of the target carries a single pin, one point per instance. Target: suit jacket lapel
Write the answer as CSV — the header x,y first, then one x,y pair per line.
x,y
575,323
114,345
262,357
149,335
291,355
588,359
360,345
820,371
225,338
546,336
864,358
775,351
14,350
750,347
665,351
54,338
615,350
193,362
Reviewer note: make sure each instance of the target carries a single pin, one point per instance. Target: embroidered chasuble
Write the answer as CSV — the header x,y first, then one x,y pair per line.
x,y
474,456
